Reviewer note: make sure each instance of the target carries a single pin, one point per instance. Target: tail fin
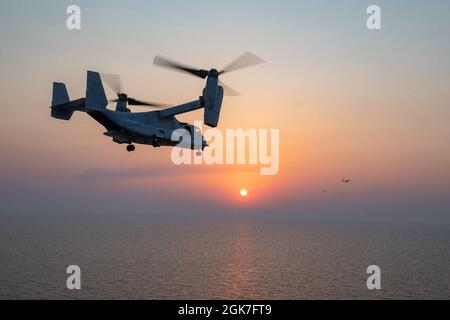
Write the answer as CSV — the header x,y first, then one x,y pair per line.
x,y
59,100
95,93
60,94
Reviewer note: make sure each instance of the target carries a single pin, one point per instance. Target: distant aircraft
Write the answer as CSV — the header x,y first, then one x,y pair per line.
x,y
155,127
345,180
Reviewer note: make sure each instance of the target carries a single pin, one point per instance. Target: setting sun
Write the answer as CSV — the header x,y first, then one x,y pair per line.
x,y
244,192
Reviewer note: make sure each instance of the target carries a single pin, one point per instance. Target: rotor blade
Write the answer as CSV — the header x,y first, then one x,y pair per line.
x,y
228,91
134,102
113,81
246,60
163,62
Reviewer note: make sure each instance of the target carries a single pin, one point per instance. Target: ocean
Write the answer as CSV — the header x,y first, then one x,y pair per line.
x,y
145,257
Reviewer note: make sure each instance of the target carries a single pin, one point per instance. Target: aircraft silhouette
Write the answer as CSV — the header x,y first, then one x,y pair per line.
x,y
154,128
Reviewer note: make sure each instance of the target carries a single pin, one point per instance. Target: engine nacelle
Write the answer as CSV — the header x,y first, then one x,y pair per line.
x,y
212,99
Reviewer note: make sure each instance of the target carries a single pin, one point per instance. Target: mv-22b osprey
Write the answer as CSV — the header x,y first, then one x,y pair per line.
x,y
155,127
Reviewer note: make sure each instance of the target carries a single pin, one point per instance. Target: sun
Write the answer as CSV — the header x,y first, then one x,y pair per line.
x,y
244,192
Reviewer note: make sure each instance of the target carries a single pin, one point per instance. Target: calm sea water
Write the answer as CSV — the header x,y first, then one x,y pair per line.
x,y
154,258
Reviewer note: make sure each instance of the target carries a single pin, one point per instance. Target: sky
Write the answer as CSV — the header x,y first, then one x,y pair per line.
x,y
372,106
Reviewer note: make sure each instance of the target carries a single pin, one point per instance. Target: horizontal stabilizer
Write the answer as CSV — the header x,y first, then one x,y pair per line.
x,y
64,111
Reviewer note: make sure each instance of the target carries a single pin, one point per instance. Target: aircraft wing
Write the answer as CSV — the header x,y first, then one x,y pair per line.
x,y
187,107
